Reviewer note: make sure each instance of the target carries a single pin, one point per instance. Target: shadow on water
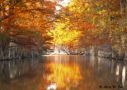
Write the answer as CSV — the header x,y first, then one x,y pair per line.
x,y
63,72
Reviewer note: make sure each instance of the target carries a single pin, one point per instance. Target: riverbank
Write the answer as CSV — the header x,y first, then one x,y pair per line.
x,y
106,52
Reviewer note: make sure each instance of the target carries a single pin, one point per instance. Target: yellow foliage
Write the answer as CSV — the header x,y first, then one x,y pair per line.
x,y
63,35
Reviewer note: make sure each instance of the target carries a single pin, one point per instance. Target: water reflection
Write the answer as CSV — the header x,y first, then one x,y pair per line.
x,y
117,73
92,60
120,71
123,75
62,73
99,60
112,67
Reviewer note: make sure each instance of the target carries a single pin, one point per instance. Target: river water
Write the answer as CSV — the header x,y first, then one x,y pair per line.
x,y
65,72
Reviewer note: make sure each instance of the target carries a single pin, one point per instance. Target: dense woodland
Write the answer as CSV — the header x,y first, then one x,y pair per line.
x,y
96,27
24,26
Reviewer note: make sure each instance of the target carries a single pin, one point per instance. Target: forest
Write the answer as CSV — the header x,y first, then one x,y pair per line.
x,y
95,27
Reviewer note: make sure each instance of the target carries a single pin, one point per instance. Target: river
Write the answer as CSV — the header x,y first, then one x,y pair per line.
x,y
63,72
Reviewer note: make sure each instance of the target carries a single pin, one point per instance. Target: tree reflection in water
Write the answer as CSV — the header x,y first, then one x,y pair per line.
x,y
123,75
65,72
61,74
117,73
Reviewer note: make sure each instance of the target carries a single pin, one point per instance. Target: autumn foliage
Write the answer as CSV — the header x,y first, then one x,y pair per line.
x,y
97,22
82,23
26,22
